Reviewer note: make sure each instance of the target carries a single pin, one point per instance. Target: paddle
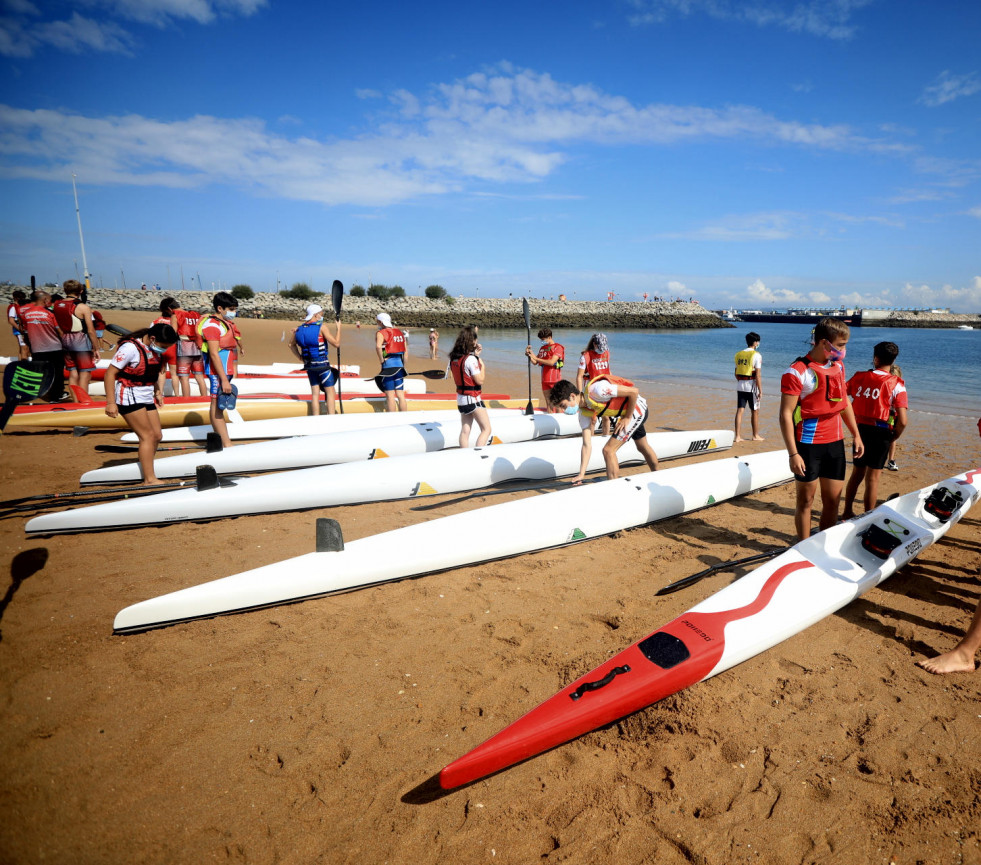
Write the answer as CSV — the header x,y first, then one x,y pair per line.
x,y
430,373
529,409
337,298
24,380
84,497
721,566
118,329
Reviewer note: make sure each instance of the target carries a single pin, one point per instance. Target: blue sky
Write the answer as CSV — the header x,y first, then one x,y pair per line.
x,y
749,154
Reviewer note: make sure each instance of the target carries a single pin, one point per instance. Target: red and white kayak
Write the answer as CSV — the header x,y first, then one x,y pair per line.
x,y
802,586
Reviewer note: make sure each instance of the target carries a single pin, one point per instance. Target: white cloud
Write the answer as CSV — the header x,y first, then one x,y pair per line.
x,y
947,87
975,212
757,290
21,35
968,297
814,17
503,125
675,287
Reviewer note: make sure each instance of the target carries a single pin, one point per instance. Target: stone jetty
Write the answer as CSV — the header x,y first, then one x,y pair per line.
x,y
442,313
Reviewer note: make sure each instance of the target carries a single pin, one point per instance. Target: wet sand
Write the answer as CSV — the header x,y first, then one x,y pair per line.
x,y
299,734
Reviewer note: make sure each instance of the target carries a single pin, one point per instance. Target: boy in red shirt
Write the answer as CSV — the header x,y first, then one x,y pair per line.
x,y
813,404
551,358
875,393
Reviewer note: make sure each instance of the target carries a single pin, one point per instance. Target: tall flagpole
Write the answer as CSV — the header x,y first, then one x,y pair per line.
x,y
81,240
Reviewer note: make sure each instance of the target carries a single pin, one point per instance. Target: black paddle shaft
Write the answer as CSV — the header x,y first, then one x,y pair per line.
x,y
337,298
526,310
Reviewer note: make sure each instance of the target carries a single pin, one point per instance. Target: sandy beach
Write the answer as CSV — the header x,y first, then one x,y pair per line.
x,y
300,734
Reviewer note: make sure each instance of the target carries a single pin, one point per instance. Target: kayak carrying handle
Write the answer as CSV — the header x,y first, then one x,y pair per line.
x,y
599,683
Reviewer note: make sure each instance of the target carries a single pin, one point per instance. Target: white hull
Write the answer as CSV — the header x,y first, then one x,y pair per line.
x,y
450,471
287,427
484,534
818,576
330,448
290,385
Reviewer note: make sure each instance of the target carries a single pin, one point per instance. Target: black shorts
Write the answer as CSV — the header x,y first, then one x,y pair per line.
x,y
470,409
822,461
876,440
747,399
129,409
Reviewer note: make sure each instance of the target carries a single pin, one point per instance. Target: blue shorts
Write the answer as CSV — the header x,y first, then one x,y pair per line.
x,y
392,378
216,383
323,376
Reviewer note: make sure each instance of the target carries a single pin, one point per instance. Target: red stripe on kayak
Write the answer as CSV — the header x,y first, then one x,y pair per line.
x,y
969,478
560,718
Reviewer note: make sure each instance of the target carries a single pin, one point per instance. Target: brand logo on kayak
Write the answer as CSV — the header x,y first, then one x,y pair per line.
x,y
700,445
697,630
914,547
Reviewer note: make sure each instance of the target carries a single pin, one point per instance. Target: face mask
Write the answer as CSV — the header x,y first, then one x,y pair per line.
x,y
231,313
570,409
835,353
157,349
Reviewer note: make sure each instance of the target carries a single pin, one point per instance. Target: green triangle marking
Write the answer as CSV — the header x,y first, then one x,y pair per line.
x,y
578,535
711,500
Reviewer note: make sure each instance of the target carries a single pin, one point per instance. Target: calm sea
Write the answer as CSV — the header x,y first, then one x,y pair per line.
x,y
940,367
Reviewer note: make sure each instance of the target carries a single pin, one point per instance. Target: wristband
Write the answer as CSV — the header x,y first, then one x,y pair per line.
x,y
794,455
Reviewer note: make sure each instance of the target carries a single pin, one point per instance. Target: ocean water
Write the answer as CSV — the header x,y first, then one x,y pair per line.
x,y
940,367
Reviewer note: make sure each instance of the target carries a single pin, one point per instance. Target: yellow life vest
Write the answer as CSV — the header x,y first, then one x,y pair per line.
x,y
744,363
613,408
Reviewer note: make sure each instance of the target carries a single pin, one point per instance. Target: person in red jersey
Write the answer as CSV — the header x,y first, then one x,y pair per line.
x,y
44,335
876,395
217,334
17,300
468,371
189,359
390,346
813,405
551,358
133,388
169,357
79,339
613,397
593,362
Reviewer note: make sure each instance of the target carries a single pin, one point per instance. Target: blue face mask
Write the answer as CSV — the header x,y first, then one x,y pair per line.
x,y
571,409
231,313
157,349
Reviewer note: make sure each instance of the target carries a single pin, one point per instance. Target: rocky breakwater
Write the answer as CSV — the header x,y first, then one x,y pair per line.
x,y
919,318
442,313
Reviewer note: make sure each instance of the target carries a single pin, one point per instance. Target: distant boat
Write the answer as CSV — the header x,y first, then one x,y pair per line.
x,y
964,327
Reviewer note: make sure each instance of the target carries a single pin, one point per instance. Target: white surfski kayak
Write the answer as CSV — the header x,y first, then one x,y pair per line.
x,y
295,368
289,385
494,532
331,448
802,586
424,474
286,427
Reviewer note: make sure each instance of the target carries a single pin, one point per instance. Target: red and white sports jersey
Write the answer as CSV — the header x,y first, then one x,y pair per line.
x,y
874,394
40,325
820,391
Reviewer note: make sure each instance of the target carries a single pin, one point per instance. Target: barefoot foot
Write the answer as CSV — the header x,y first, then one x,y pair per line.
x,y
955,661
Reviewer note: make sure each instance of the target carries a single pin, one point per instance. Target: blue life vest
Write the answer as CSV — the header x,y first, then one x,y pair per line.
x,y
312,345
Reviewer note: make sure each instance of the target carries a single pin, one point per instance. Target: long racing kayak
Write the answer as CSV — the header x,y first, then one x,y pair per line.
x,y
802,586
331,448
288,427
450,471
484,534
287,385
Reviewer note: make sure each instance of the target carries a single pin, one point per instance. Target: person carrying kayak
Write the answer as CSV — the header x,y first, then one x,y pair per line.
x,y
310,343
606,396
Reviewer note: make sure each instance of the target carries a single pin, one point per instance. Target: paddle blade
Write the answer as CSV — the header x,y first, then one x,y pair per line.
x,y
24,380
526,310
337,296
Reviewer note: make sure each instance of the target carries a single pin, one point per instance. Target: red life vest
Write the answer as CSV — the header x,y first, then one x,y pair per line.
x,y
613,408
829,397
393,341
146,370
551,374
187,325
64,313
97,320
464,381
227,338
872,396
596,364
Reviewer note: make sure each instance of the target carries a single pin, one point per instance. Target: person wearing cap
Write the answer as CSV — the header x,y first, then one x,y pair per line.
x,y
594,361
433,343
390,347
310,342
